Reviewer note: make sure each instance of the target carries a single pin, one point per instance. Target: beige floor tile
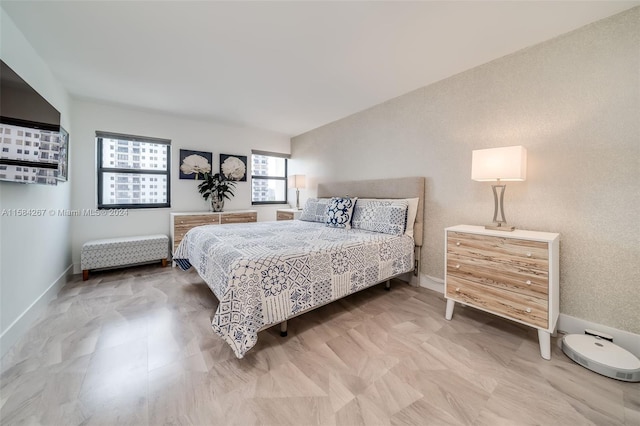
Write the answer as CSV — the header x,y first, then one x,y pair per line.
x,y
135,346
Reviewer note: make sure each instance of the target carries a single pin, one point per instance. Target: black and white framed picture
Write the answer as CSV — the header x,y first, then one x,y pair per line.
x,y
194,164
234,167
63,156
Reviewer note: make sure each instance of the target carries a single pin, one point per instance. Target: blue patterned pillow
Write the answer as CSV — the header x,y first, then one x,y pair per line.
x,y
315,210
386,216
340,211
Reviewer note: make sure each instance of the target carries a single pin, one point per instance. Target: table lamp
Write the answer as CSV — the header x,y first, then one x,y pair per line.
x,y
499,165
297,182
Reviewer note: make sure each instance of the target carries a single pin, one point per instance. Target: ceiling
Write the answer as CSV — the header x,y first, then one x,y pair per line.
x,y
284,66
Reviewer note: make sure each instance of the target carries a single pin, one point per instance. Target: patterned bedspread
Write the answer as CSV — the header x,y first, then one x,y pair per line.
x,y
263,273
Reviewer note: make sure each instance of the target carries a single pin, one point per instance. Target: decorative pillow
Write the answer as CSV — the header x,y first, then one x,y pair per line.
x,y
340,211
315,210
412,213
385,216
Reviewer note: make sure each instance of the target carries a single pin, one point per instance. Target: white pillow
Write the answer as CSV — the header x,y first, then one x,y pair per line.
x,y
412,211
315,210
386,216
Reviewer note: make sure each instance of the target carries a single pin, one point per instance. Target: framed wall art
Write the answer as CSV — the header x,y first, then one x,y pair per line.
x,y
234,167
194,164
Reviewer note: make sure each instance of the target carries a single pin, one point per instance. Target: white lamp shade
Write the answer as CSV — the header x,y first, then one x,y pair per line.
x,y
507,164
297,181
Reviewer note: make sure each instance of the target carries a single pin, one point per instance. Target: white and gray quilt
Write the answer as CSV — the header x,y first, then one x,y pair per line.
x,y
263,273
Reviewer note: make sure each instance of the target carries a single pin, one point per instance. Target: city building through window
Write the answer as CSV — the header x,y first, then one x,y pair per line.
x,y
268,177
127,181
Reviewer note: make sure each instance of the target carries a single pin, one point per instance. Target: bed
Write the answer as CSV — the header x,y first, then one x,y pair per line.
x,y
268,272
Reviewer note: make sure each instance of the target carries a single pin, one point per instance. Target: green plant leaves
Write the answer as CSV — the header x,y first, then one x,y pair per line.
x,y
216,185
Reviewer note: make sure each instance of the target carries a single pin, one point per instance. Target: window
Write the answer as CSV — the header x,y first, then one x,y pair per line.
x,y
268,178
128,171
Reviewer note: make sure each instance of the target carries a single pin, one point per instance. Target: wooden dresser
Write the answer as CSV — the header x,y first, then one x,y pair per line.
x,y
288,214
514,275
182,222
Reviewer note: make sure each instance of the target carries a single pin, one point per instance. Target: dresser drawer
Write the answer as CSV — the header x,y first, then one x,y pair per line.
x,y
284,215
533,254
530,310
239,217
189,221
501,275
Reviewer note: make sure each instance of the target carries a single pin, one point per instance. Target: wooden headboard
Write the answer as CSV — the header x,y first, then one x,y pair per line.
x,y
408,187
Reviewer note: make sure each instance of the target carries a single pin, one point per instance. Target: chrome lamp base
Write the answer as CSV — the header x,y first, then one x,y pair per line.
x,y
499,222
500,226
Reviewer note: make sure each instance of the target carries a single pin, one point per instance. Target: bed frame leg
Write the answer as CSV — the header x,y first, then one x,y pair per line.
x,y
387,285
283,329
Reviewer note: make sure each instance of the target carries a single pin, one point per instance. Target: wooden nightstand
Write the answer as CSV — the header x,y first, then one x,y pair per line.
x,y
514,275
288,214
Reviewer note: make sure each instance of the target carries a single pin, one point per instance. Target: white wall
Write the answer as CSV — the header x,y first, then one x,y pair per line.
x,y
35,252
215,137
574,103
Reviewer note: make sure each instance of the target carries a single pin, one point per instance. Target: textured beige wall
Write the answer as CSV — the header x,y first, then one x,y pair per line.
x,y
574,103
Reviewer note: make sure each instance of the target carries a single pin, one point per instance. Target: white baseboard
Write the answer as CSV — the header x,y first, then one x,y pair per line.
x,y
21,325
432,283
566,324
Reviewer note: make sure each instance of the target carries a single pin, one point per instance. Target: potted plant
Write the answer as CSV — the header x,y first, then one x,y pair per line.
x,y
216,187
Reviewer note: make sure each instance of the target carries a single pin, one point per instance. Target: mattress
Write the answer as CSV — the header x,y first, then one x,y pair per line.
x,y
264,273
